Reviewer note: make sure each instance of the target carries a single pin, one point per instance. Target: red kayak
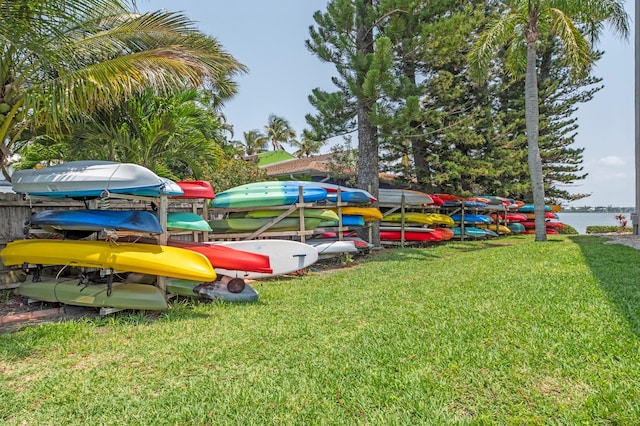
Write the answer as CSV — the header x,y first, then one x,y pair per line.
x,y
219,256
529,224
511,217
445,233
422,235
196,189
448,197
437,201
549,231
547,215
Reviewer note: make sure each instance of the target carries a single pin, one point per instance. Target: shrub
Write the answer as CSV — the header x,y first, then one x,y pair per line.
x,y
608,229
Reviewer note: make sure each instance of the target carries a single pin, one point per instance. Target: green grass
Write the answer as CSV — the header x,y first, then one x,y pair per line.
x,y
505,332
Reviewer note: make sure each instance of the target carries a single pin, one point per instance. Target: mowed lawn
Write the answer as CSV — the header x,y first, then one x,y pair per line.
x,y
501,332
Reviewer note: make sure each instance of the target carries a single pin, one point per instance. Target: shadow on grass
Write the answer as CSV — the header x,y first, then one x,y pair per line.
x,y
398,254
617,269
24,339
474,245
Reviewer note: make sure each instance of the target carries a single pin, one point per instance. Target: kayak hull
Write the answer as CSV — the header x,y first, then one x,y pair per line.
x,y
88,179
196,189
97,220
177,221
246,224
214,291
410,234
388,196
264,194
126,257
122,296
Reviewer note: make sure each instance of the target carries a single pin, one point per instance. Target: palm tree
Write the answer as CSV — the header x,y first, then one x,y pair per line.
x,y
308,145
254,142
60,58
176,137
522,25
278,130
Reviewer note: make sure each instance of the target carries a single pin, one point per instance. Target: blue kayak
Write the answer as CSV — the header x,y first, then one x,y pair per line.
x,y
263,194
472,218
470,232
97,220
347,220
528,208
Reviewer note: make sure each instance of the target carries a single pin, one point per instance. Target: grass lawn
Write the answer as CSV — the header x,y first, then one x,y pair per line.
x,y
501,332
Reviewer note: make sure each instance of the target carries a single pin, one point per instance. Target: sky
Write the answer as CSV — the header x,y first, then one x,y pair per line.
x,y
268,37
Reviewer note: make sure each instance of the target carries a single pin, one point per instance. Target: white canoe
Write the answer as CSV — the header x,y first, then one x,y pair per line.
x,y
328,249
394,197
89,179
284,256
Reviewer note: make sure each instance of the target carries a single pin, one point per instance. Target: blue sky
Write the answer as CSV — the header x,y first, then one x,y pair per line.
x,y
268,37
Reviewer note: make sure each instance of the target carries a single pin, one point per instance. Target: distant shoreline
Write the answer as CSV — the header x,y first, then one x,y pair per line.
x,y
600,210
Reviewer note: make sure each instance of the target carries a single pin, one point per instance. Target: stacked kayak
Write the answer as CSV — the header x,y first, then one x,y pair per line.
x,y
263,194
124,257
285,256
186,221
195,189
497,228
217,291
346,194
395,197
324,214
347,220
369,214
327,249
445,233
97,220
91,179
246,224
409,217
469,232
117,295
409,234
471,218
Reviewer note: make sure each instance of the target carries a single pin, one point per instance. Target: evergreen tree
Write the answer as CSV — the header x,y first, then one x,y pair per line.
x,y
344,36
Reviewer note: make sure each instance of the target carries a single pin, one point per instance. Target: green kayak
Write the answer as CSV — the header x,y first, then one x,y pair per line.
x,y
69,292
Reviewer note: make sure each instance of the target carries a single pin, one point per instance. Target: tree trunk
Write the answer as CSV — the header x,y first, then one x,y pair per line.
x,y
532,122
368,178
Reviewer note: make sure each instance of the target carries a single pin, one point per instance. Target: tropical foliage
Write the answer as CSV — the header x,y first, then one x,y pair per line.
x,y
278,131
175,137
61,59
254,142
308,145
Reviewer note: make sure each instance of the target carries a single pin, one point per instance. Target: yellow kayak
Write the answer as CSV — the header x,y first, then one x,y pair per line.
x,y
500,229
369,214
409,217
125,257
324,214
441,219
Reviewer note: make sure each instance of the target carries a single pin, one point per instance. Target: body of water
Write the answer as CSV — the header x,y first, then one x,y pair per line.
x,y
580,221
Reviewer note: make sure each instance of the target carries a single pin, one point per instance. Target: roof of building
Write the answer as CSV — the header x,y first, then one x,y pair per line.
x,y
314,166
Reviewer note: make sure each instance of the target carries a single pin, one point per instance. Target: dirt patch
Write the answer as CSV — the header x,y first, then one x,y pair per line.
x,y
16,313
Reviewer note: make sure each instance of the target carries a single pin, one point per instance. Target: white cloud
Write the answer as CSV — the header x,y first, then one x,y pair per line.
x,y
612,160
